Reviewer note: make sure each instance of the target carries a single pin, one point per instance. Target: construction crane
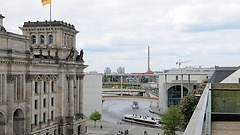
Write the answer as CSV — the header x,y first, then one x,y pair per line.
x,y
180,62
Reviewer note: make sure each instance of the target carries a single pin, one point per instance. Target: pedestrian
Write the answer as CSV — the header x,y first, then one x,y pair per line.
x,y
126,132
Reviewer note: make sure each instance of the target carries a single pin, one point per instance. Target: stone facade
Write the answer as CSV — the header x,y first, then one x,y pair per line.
x,y
41,80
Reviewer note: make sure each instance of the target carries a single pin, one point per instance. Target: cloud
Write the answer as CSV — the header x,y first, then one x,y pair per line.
x,y
117,33
206,17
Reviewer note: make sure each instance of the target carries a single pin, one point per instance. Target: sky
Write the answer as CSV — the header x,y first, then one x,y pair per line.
x,y
117,33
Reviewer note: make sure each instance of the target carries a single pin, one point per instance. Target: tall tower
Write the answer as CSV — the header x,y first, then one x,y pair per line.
x,y
149,69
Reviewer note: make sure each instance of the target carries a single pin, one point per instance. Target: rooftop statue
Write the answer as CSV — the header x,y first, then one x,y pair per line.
x,y
80,56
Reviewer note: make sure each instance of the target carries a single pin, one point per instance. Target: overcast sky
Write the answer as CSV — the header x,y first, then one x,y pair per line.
x,y
116,33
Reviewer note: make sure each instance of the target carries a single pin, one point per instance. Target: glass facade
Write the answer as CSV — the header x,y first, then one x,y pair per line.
x,y
174,95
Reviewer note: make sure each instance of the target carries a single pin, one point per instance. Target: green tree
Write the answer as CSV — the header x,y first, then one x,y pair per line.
x,y
171,120
95,116
187,106
189,102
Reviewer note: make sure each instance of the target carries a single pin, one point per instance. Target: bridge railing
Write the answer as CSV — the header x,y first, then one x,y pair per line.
x,y
196,123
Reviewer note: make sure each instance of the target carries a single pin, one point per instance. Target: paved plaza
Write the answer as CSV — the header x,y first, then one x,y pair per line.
x,y
114,128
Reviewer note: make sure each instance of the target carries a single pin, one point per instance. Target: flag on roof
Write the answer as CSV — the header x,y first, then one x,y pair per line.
x,y
45,2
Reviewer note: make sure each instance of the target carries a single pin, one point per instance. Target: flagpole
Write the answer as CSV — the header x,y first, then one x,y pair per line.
x,y
50,11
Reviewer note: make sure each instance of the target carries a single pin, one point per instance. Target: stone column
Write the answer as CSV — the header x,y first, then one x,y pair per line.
x,y
80,87
77,96
37,38
4,86
10,99
181,85
61,98
163,98
71,95
189,80
46,38
1,88
29,88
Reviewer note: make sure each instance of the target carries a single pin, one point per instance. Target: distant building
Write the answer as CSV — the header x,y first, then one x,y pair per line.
x,y
107,70
121,70
41,80
93,72
92,93
176,83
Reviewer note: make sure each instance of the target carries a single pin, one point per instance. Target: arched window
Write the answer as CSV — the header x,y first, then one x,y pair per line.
x,y
174,95
33,39
42,39
18,119
50,38
2,124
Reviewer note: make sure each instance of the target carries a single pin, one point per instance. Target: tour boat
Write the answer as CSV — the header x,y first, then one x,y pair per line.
x,y
135,105
144,120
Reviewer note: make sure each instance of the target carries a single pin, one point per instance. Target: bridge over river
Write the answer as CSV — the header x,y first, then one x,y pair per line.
x,y
135,93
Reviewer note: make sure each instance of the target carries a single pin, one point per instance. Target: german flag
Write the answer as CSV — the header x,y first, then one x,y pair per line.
x,y
45,2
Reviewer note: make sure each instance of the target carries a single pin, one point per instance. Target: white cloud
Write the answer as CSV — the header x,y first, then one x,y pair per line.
x,y
206,17
117,33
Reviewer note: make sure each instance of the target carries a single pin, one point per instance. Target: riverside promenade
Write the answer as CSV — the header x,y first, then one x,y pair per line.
x,y
116,125
114,128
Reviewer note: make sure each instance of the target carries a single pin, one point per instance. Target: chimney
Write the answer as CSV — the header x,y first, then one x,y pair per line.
x,y
149,69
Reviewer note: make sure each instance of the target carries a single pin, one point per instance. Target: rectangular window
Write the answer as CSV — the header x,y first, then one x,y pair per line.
x,y
36,87
44,87
36,104
176,77
52,101
79,129
52,86
44,102
44,117
35,119
52,115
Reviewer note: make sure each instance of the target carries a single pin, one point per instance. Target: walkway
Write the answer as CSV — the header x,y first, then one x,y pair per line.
x,y
114,128
225,128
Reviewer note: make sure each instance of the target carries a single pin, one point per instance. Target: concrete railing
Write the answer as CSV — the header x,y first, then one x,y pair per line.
x,y
196,123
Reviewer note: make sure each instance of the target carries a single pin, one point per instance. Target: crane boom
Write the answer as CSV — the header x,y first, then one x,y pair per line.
x,y
180,62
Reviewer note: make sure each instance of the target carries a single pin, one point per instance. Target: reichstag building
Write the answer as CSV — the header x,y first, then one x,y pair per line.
x,y
41,80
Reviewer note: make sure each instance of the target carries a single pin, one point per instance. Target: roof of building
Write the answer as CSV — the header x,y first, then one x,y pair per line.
x,y
221,73
48,23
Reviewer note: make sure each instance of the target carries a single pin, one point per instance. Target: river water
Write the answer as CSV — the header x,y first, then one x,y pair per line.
x,y
114,109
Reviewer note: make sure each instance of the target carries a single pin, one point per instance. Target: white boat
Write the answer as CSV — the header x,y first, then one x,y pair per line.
x,y
135,105
144,120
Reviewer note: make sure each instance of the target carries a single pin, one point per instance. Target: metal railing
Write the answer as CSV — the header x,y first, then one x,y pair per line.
x,y
196,123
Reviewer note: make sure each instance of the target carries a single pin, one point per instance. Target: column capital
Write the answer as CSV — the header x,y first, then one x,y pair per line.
x,y
45,77
29,78
54,77
70,76
11,78
80,76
